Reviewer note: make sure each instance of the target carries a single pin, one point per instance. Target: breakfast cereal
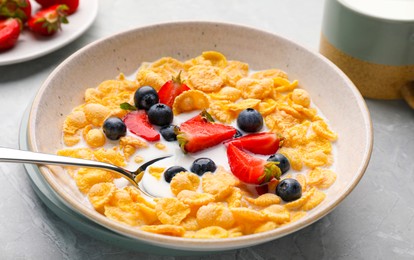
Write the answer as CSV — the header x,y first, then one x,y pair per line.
x,y
213,203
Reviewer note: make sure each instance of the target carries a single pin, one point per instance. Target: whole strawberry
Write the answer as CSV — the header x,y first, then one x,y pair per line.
x,y
21,9
71,4
48,21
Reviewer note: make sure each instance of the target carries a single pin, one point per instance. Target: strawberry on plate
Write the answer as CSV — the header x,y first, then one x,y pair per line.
x,y
250,169
9,33
48,21
258,143
171,89
71,4
200,132
137,122
21,9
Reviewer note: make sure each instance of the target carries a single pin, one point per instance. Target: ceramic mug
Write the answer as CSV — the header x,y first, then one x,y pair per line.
x,y
372,41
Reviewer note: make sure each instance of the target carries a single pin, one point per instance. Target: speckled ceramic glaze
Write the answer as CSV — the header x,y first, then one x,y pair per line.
x,y
330,89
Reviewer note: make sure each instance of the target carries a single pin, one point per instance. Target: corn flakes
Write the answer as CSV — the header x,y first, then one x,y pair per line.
x,y
215,205
190,100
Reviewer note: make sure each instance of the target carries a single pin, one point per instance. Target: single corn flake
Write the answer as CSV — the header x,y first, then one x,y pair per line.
x,y
243,104
216,58
264,200
171,210
193,198
227,93
205,78
169,230
215,215
321,178
277,213
297,204
316,198
321,128
255,88
219,184
110,156
301,97
234,71
131,217
245,215
190,100
87,177
269,225
100,194
269,74
96,114
94,137
156,171
82,153
73,122
211,232
184,181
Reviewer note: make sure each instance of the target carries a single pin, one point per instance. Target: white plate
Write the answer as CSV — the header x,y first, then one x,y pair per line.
x,y
30,47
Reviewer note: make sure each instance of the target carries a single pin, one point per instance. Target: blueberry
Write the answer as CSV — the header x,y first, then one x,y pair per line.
x,y
168,133
250,120
289,189
114,128
160,114
284,163
238,134
172,171
145,97
203,165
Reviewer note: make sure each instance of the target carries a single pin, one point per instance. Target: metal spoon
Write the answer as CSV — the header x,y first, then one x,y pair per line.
x,y
20,156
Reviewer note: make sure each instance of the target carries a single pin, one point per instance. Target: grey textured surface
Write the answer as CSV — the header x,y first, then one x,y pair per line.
x,y
375,222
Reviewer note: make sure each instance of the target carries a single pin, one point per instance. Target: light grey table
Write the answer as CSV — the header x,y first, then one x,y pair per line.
x,y
375,222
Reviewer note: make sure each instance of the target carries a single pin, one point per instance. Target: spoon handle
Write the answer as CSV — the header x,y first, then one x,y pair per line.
x,y
20,156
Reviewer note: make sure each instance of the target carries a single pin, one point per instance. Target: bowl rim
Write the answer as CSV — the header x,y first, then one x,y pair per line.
x,y
193,244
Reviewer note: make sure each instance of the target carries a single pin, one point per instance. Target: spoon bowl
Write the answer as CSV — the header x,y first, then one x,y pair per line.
x,y
20,156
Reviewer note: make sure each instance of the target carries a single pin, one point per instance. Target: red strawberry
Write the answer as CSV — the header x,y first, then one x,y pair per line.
x,y
171,89
200,132
250,169
21,9
260,143
48,21
137,122
9,33
71,4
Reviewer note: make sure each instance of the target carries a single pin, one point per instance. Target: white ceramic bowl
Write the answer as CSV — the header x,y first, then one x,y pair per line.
x,y
330,89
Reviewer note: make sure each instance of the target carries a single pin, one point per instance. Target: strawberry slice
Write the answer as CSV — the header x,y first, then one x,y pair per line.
x,y
200,132
259,143
250,169
9,33
137,122
171,89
